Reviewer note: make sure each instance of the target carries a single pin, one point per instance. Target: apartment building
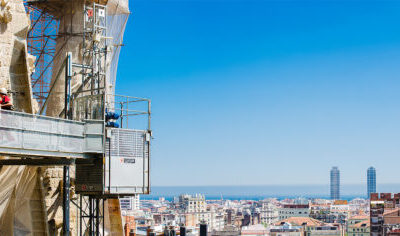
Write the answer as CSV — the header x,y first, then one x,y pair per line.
x,y
293,210
193,204
359,229
130,203
197,205
268,213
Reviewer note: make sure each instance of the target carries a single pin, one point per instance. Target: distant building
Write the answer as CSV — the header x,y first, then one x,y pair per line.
x,y
340,210
164,219
234,217
269,213
326,230
357,219
295,210
286,229
300,201
359,225
217,218
371,181
384,213
187,219
192,204
311,227
254,230
130,203
250,218
229,230
335,183
130,225
197,205
322,213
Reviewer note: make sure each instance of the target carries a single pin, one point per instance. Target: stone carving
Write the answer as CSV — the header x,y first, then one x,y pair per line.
x,y
5,14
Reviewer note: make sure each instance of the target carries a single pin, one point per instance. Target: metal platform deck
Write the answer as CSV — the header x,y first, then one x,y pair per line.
x,y
28,135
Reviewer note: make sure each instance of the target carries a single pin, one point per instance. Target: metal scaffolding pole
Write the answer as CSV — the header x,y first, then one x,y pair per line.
x,y
66,184
68,77
97,216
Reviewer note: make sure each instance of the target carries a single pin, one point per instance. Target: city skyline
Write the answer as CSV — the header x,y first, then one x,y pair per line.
x,y
264,217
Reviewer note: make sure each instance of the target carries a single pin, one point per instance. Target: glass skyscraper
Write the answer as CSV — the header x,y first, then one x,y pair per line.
x,y
335,183
371,181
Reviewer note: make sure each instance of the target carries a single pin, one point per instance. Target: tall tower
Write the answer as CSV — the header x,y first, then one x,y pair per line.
x,y
371,181
335,183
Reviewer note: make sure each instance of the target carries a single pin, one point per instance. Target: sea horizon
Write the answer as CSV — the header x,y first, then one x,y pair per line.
x,y
259,192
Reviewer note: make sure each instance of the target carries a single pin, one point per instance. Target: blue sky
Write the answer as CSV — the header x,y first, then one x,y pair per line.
x,y
267,92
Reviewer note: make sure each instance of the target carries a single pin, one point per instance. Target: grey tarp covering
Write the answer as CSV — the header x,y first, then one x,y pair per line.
x,y
17,202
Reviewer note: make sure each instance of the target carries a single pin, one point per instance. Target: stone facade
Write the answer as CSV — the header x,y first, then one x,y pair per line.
x,y
52,183
16,64
71,25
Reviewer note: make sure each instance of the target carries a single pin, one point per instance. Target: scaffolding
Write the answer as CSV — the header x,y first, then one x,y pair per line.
x,y
81,137
100,44
41,44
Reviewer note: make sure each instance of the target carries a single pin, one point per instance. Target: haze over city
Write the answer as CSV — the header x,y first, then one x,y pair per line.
x,y
267,92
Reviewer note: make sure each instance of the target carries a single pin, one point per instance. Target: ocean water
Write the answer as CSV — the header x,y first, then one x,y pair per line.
x,y
348,192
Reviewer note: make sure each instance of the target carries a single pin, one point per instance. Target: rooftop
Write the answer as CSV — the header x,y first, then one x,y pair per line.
x,y
301,221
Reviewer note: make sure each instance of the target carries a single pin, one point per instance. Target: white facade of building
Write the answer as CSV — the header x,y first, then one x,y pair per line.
x,y
288,211
217,220
340,210
268,213
130,203
195,204
192,204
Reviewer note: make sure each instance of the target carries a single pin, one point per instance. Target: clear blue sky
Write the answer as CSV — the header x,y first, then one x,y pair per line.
x,y
267,92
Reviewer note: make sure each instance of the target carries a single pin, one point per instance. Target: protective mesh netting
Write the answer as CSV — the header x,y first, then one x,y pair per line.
x,y
117,17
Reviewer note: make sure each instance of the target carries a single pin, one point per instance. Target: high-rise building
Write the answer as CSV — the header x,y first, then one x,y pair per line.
x,y
335,183
371,181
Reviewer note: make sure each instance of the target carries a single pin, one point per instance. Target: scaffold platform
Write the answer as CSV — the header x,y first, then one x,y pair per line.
x,y
28,135
111,161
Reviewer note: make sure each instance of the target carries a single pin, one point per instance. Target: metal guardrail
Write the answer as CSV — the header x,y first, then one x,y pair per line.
x,y
24,134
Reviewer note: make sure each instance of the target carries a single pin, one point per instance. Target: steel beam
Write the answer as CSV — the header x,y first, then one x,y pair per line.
x,y
38,153
37,162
